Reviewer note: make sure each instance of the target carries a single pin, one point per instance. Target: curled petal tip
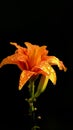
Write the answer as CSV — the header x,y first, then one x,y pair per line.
x,y
65,69
19,88
11,42
62,66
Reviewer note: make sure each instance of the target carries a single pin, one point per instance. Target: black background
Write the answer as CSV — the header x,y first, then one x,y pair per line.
x,y
48,24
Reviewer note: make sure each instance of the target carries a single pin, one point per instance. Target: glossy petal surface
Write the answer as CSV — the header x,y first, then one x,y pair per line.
x,y
33,60
24,77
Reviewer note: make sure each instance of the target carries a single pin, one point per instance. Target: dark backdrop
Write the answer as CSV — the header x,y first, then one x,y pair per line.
x,y
42,25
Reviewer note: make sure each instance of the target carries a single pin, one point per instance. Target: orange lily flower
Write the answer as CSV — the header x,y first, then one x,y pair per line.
x,y
32,61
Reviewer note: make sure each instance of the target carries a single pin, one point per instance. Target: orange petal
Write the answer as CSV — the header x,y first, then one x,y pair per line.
x,y
13,59
34,56
24,77
16,45
52,75
22,59
30,46
42,68
46,69
35,53
52,60
9,60
43,51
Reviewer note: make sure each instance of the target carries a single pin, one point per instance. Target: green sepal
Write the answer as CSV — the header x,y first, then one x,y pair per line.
x,y
42,85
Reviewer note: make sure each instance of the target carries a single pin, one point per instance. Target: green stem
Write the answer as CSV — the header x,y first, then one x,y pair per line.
x,y
31,104
31,90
